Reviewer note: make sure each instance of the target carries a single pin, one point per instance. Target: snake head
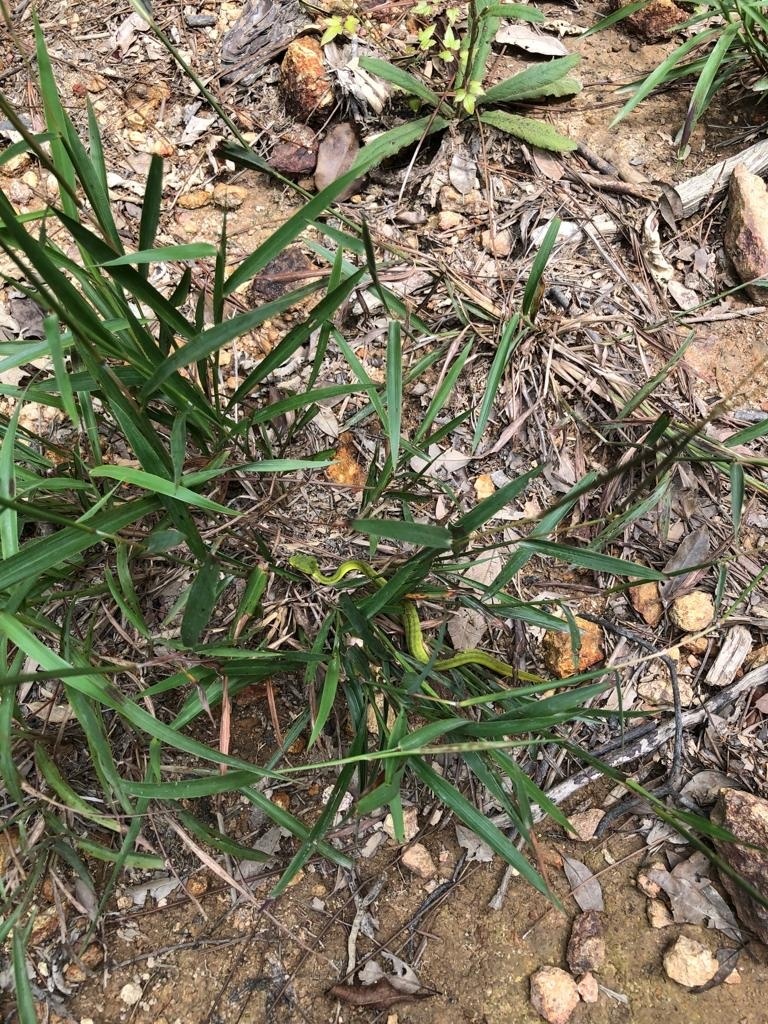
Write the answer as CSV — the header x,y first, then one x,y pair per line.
x,y
304,563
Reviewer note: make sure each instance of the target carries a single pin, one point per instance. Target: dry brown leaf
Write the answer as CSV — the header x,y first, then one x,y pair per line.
x,y
379,996
584,886
345,469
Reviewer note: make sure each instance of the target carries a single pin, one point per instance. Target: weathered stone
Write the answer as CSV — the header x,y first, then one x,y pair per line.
x,y
588,988
586,946
498,243
554,994
195,200
645,599
658,20
689,963
293,159
558,653
693,611
746,231
289,270
305,81
658,914
419,861
335,156
585,824
746,818
229,197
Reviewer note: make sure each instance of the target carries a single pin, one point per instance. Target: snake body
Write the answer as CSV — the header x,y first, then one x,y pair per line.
x,y
414,636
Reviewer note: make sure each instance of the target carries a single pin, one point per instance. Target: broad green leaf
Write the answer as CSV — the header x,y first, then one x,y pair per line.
x,y
201,601
419,534
535,133
527,83
396,76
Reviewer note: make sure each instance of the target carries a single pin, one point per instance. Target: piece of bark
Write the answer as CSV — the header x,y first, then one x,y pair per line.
x,y
693,192
730,658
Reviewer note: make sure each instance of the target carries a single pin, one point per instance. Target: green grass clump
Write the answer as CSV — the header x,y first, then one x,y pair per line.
x,y
726,45
144,487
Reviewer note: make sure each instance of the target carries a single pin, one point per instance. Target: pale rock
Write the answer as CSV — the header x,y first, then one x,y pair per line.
x,y
449,220
693,611
410,823
657,691
229,197
689,963
498,243
658,914
554,994
419,862
588,988
130,993
585,824
734,978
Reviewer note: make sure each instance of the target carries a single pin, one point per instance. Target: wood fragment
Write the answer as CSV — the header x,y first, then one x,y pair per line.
x,y
733,652
693,192
606,184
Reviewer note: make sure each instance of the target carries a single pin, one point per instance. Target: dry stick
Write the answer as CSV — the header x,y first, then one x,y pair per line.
x,y
622,188
693,192
638,743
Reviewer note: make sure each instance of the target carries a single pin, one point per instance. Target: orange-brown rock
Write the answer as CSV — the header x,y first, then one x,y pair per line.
x,y
558,649
305,81
658,20
645,599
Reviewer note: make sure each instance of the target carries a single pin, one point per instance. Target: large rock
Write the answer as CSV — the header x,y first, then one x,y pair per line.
x,y
656,21
689,963
746,232
305,81
586,946
554,994
558,649
746,818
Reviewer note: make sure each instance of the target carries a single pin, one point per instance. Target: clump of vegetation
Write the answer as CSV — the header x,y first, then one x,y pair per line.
x,y
727,46
461,51
146,487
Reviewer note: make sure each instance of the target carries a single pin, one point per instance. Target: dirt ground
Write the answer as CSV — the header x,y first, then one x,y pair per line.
x,y
210,959
239,966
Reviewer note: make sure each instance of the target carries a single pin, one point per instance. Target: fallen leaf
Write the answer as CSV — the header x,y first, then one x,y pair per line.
x,y
692,550
585,888
692,897
528,39
379,996
474,845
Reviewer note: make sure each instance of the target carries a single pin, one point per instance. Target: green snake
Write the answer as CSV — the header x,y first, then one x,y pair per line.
x,y
414,637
